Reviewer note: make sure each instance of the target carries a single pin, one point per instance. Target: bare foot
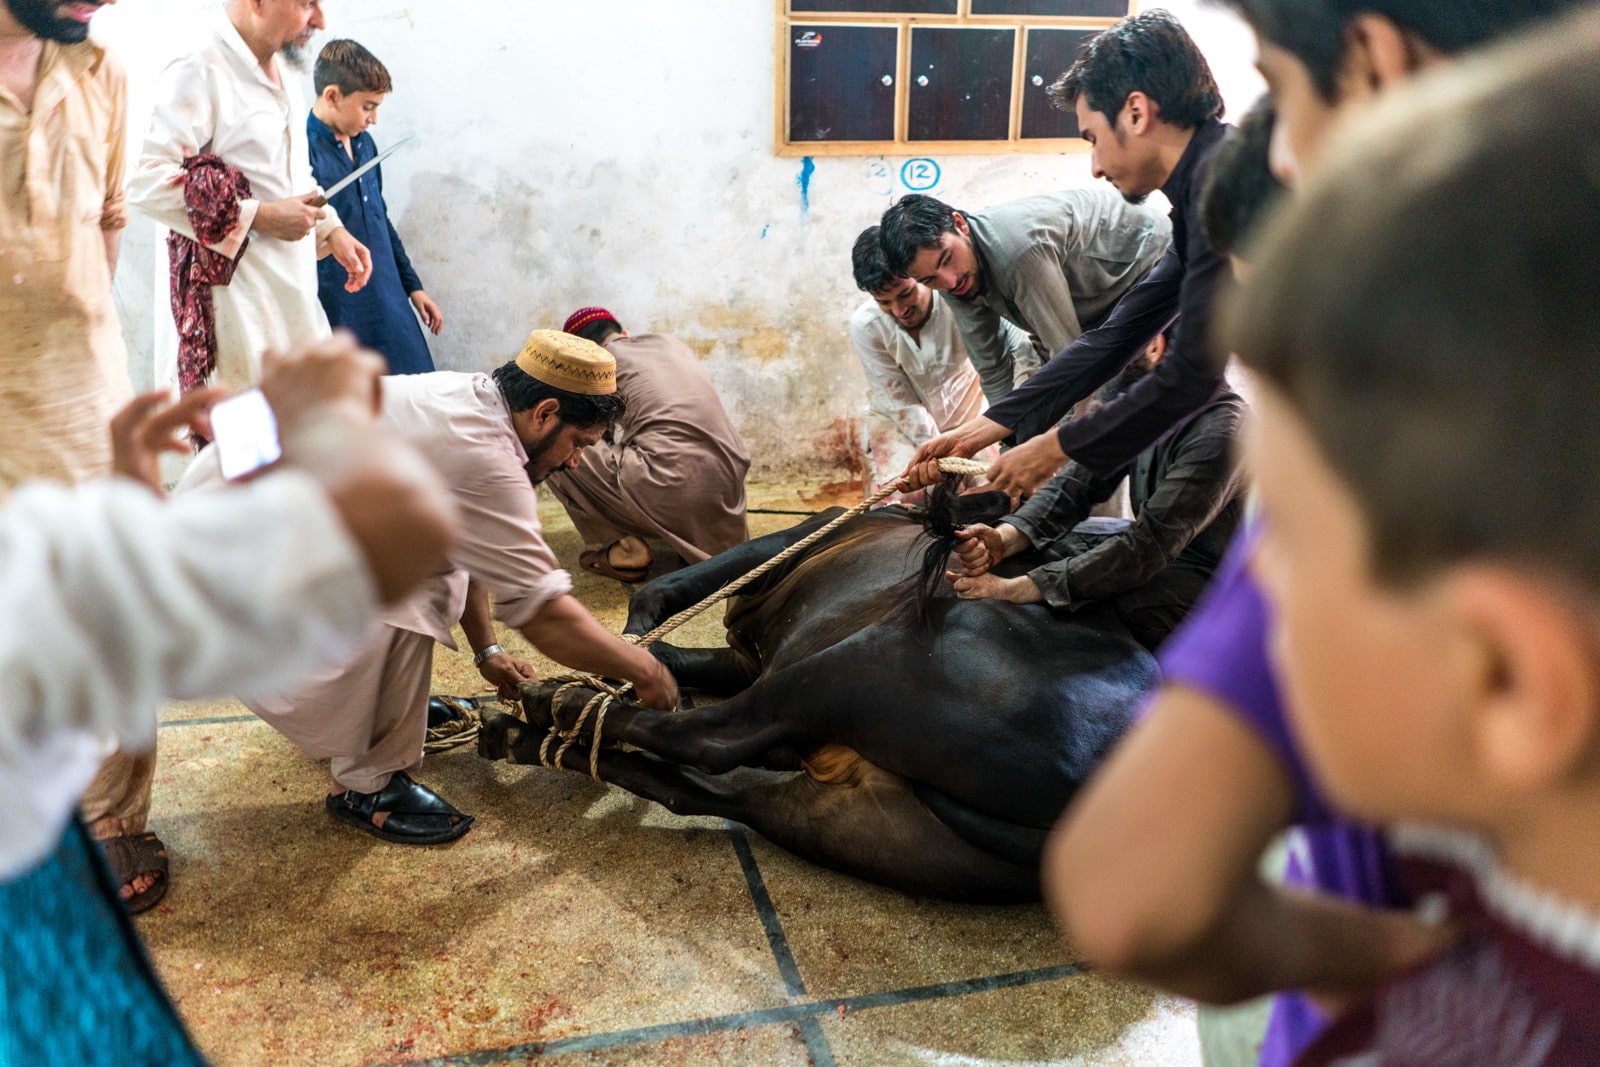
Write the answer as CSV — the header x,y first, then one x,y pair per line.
x,y
629,553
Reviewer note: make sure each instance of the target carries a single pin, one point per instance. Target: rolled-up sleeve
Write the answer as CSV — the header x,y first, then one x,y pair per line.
x,y
502,546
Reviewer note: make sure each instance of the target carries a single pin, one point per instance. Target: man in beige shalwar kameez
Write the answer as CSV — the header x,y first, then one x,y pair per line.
x,y
493,439
674,468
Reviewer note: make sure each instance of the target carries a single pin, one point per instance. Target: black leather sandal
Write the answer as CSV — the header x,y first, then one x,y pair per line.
x,y
417,815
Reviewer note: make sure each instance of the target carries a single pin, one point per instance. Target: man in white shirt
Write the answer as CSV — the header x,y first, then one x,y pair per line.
x,y
295,564
234,99
919,379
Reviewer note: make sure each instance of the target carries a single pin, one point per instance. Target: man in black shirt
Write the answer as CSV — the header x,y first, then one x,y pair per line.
x,y
1146,100
1186,502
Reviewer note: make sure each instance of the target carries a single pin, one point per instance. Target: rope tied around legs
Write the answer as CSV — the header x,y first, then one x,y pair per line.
x,y
606,694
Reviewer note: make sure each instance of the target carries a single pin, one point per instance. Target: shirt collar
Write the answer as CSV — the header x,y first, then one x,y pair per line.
x,y
234,41
1177,186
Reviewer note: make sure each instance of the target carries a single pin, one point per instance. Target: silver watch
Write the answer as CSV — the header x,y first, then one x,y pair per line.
x,y
478,658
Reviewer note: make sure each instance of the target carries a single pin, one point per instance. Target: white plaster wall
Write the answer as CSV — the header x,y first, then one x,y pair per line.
x,y
619,152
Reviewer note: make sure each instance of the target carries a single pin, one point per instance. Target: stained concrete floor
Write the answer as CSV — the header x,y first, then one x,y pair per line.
x,y
576,924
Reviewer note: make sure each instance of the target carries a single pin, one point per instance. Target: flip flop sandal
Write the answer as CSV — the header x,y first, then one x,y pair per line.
x,y
131,855
596,562
417,815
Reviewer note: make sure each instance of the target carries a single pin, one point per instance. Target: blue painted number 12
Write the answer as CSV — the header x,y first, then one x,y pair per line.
x,y
919,174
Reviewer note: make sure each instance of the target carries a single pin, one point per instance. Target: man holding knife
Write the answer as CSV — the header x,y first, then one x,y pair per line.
x,y
265,223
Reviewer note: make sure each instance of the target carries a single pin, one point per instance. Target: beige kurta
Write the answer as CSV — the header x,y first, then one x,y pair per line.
x,y
63,368
675,469
369,712
219,100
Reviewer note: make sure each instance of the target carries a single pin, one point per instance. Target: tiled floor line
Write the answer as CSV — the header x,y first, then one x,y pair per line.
x,y
793,984
163,724
789,1013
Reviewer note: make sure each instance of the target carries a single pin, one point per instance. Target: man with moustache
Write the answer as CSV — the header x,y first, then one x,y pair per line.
x,y
234,99
920,382
63,369
1053,265
492,439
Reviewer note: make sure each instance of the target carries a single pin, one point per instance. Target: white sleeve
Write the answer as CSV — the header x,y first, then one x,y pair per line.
x,y
119,601
182,124
122,601
891,394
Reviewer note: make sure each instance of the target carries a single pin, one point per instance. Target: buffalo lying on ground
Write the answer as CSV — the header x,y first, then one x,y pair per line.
x,y
873,722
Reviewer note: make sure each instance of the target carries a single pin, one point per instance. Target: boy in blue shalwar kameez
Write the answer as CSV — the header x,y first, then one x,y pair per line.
x,y
351,83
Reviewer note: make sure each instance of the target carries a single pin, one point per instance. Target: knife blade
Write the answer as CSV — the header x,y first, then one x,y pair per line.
x,y
328,193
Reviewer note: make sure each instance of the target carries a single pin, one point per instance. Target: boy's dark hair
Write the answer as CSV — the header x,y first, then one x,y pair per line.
x,y
1149,53
912,223
523,391
351,67
1428,312
1313,31
599,331
1240,187
868,263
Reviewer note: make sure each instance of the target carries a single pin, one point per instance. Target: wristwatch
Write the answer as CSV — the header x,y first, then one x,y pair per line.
x,y
478,658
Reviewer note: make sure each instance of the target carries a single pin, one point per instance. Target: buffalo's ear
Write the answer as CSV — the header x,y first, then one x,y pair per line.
x,y
986,508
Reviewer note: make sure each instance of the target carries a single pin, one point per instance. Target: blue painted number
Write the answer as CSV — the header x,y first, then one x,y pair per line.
x,y
919,174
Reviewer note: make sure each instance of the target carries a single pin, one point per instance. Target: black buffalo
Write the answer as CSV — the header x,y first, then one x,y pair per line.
x,y
922,742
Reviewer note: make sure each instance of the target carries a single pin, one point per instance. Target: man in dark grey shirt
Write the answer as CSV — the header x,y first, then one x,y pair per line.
x,y
1053,264
1186,502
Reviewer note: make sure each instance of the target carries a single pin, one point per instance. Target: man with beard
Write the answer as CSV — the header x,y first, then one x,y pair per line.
x,y
1053,265
63,369
1147,103
493,439
234,100
919,379
1186,503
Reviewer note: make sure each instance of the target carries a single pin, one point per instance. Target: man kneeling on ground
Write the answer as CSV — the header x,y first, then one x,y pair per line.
x,y
493,440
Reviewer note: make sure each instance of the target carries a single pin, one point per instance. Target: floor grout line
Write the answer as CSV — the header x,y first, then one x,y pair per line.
x,y
165,723
789,1013
816,1041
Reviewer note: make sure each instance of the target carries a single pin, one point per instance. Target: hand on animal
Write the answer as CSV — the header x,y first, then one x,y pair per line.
x,y
151,424
1028,466
660,690
993,587
507,673
353,257
289,219
429,312
979,548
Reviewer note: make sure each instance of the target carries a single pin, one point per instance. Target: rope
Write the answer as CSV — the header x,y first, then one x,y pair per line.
x,y
606,694
949,465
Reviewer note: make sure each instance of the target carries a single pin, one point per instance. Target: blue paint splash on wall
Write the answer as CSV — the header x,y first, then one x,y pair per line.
x,y
764,230
807,168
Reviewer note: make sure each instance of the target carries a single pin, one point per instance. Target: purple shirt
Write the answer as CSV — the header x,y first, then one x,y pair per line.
x,y
1221,651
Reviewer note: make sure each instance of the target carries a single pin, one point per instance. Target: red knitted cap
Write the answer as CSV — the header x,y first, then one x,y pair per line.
x,y
583,317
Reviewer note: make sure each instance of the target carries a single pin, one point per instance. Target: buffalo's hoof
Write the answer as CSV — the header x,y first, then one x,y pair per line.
x,y
499,735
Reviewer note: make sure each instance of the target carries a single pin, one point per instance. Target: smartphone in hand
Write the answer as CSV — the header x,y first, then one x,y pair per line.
x,y
246,434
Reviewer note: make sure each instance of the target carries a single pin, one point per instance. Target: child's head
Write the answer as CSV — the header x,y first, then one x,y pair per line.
x,y
351,83
1427,326
1320,57
1240,190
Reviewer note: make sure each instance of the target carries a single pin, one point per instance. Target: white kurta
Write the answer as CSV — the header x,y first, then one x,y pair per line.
x,y
119,602
919,388
220,101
